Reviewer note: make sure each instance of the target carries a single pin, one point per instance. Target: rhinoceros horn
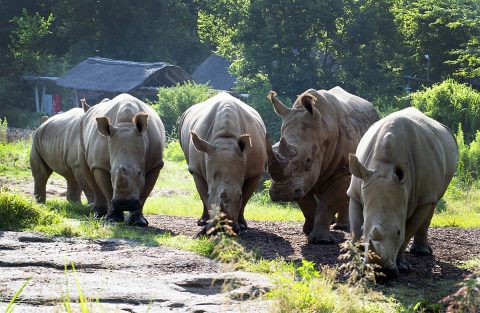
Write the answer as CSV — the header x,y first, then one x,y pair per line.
x,y
276,162
285,149
278,106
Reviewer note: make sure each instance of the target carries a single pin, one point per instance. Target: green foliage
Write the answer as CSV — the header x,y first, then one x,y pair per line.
x,y
17,213
173,101
22,119
451,103
3,130
173,152
356,269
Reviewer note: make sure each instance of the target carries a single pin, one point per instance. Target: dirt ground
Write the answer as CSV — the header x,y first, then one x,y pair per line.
x,y
451,246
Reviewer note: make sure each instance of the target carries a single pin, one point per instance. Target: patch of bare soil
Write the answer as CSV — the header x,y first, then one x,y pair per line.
x,y
450,246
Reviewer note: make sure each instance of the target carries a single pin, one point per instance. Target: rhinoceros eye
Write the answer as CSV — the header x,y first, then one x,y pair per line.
x,y
308,163
399,173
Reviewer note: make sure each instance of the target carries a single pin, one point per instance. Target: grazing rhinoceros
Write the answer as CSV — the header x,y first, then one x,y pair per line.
x,y
120,151
223,140
55,149
310,163
402,167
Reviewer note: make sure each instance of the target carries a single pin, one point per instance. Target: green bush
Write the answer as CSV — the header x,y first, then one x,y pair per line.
x,y
451,103
173,101
468,166
21,118
173,152
17,213
3,130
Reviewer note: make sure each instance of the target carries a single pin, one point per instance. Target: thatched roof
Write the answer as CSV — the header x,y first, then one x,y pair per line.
x,y
108,75
214,72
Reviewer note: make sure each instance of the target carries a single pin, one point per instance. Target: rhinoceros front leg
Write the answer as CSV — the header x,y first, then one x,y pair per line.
x,y
202,189
100,204
136,218
355,212
248,189
320,233
74,191
420,240
417,224
307,204
103,181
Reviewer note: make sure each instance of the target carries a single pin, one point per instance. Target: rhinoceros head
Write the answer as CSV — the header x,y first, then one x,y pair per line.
x,y
127,149
225,171
295,162
384,195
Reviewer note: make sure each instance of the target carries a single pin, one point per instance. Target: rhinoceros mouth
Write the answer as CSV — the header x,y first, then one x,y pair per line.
x,y
287,193
126,204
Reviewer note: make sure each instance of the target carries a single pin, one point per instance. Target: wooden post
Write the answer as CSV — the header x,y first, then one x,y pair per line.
x,y
37,103
43,97
77,103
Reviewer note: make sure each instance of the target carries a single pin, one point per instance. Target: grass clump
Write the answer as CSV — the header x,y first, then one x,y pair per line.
x,y
18,213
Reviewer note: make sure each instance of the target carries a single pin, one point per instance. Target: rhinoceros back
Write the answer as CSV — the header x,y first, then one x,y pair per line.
x,y
122,108
56,141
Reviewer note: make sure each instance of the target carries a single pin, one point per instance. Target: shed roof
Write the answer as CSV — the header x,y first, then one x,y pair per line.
x,y
214,72
109,75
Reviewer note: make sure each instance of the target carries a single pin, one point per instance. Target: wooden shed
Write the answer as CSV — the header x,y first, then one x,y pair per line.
x,y
97,78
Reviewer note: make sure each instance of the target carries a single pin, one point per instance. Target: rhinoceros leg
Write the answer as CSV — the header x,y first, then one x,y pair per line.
x,y
324,214
417,223
103,181
355,211
248,189
307,205
136,218
74,191
202,189
338,193
40,172
420,240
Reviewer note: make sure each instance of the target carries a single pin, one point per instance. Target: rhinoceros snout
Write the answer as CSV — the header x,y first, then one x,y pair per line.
x,y
290,195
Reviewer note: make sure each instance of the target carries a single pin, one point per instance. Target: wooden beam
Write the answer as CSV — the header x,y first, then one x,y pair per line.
x,y
37,103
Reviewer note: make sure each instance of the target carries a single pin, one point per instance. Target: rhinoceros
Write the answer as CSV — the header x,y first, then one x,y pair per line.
x,y
401,168
55,149
120,152
223,140
309,164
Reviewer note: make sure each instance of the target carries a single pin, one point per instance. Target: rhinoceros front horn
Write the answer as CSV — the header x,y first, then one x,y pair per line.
x,y
276,163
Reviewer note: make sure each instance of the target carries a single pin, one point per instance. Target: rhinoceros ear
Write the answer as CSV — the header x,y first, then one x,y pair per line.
x,y
141,122
104,126
244,143
200,144
357,169
308,101
278,106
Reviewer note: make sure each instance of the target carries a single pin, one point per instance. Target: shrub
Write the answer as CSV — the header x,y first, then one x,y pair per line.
x,y
173,152
451,103
18,213
22,119
173,101
3,130
468,166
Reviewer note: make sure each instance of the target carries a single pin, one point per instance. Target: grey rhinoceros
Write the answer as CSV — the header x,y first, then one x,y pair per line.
x,y
402,167
309,164
223,140
55,149
120,153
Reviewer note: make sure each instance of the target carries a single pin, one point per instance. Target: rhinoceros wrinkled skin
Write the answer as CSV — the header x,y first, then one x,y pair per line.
x,y
120,152
55,149
223,140
309,164
402,167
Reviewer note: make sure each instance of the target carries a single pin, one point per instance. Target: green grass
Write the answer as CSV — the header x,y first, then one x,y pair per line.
x,y
15,158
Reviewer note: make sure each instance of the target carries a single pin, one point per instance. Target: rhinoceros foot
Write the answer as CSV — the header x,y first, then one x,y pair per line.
x,y
307,227
116,216
202,221
137,219
403,266
99,212
341,226
421,250
242,224
320,238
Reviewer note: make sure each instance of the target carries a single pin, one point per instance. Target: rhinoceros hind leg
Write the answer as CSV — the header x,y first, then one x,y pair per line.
x,y
136,218
242,224
421,250
40,172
